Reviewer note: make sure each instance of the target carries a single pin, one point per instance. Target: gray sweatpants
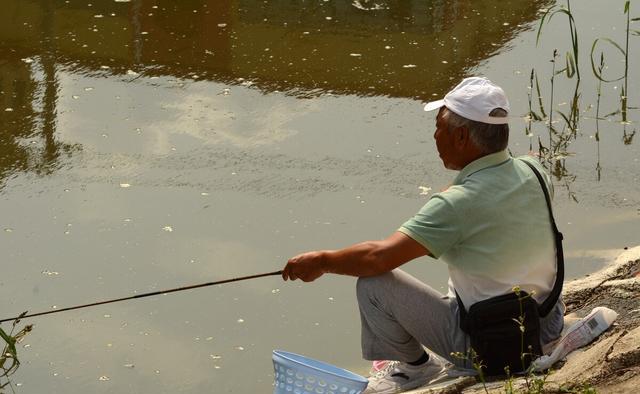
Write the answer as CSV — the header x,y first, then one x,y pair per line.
x,y
400,315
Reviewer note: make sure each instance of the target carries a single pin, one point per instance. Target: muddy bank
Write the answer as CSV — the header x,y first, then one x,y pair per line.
x,y
611,363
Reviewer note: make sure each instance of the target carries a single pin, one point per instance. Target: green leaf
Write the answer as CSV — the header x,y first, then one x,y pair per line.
x,y
571,65
597,73
626,7
544,16
566,119
540,104
550,13
616,112
635,19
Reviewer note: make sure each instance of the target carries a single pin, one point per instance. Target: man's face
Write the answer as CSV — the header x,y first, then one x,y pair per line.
x,y
445,143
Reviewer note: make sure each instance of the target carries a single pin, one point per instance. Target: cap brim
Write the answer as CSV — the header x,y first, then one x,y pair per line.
x,y
434,105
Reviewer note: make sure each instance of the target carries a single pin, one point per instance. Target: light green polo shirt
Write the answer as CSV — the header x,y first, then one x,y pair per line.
x,y
492,228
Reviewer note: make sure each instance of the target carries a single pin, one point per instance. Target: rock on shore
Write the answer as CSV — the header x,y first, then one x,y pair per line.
x,y
611,363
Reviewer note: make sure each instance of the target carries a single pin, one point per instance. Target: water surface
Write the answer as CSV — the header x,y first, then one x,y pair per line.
x,y
150,144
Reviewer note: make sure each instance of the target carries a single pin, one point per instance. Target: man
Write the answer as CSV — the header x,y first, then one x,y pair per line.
x,y
491,227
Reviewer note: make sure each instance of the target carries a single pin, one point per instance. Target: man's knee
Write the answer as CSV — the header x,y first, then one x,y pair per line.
x,y
366,287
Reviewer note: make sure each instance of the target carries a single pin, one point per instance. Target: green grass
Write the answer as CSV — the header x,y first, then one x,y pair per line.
x,y
9,361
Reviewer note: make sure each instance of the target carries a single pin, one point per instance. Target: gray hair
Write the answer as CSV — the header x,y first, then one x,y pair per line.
x,y
489,138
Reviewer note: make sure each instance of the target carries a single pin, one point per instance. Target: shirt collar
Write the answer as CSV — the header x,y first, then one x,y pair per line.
x,y
490,160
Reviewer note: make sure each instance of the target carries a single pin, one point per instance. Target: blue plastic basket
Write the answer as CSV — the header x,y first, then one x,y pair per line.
x,y
296,374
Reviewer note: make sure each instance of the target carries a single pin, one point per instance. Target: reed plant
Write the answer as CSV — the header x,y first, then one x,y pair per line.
x,y
9,361
572,66
598,72
597,136
561,134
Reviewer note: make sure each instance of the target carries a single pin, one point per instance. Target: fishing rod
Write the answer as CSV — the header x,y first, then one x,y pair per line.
x,y
144,295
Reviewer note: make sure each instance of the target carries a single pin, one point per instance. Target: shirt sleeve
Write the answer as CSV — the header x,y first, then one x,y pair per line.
x,y
436,226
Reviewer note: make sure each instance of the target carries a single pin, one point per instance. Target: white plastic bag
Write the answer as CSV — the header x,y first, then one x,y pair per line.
x,y
581,333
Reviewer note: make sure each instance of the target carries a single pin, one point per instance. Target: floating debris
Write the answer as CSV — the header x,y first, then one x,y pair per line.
x,y
204,194
128,365
9,109
355,54
88,89
103,378
132,73
125,185
409,66
50,273
222,25
168,229
75,97
215,356
8,230
241,348
275,291
240,320
98,16
106,316
27,60
424,190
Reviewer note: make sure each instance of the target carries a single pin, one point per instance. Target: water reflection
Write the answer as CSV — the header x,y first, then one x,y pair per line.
x,y
365,48
378,47
29,90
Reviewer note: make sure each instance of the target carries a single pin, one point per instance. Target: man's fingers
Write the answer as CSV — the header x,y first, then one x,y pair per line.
x,y
287,272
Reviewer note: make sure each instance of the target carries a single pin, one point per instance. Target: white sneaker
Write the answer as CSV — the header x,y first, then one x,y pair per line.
x,y
397,376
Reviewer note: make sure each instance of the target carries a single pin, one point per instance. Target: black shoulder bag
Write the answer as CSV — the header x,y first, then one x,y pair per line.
x,y
505,330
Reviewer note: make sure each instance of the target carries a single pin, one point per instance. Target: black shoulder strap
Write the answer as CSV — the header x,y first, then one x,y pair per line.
x,y
551,300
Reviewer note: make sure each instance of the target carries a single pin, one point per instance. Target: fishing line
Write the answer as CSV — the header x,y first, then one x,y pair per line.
x,y
144,295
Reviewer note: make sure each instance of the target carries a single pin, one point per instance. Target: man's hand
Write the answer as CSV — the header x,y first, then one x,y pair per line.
x,y
307,267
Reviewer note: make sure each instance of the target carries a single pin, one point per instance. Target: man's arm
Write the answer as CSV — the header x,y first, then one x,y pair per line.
x,y
368,258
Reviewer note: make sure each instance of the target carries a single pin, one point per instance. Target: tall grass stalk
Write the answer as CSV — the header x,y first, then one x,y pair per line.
x,y
9,361
625,91
625,53
599,95
551,128
572,60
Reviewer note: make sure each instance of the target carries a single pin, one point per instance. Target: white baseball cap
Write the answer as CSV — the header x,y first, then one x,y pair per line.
x,y
474,98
